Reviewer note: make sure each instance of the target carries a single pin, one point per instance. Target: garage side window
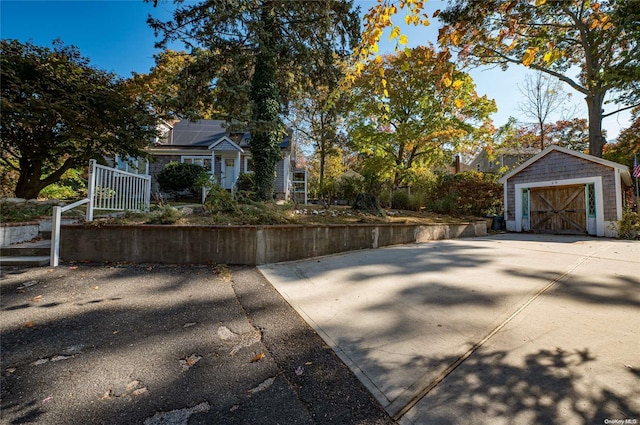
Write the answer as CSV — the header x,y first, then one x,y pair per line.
x,y
525,203
591,200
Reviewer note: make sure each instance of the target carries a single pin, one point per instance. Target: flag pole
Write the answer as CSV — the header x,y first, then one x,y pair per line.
x,y
636,173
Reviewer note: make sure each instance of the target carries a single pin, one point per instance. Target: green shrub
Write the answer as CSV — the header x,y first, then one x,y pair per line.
x,y
58,191
265,213
246,187
70,186
629,226
467,193
177,176
11,212
164,215
220,200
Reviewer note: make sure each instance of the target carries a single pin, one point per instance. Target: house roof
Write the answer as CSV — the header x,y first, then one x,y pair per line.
x,y
350,174
624,170
207,133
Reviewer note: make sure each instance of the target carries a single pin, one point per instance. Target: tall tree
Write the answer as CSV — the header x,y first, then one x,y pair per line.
x,y
417,120
162,89
258,55
599,39
58,112
542,96
554,37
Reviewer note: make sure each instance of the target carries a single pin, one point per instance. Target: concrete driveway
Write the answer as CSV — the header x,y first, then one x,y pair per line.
x,y
506,329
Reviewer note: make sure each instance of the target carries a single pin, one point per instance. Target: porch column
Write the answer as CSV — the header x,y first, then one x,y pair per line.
x,y
237,168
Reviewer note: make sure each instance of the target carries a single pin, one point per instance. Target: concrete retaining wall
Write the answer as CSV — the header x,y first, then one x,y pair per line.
x,y
12,233
246,245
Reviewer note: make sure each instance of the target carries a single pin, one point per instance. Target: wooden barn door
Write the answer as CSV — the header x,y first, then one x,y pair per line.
x,y
558,209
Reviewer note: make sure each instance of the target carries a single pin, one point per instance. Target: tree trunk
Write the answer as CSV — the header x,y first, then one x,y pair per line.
x,y
369,204
265,96
596,140
28,189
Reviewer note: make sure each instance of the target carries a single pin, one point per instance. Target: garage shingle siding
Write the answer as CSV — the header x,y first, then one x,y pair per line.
x,y
560,166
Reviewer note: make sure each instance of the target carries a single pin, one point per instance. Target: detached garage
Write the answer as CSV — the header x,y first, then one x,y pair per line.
x,y
565,192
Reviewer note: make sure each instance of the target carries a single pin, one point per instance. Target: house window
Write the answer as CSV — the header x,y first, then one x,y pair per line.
x,y
591,200
525,203
132,165
203,161
248,164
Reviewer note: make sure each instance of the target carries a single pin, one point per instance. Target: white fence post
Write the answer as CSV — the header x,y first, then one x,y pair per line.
x,y
54,258
91,190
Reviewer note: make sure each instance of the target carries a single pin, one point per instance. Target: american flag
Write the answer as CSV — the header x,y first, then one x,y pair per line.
x,y
636,166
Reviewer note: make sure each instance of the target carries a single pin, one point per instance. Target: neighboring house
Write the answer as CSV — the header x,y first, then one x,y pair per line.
x,y
225,154
501,160
565,192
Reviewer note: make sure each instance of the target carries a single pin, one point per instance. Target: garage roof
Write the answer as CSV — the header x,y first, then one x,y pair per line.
x,y
624,170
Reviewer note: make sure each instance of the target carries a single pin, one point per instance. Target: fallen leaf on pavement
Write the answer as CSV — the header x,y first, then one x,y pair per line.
x,y
258,357
139,392
28,325
106,395
73,268
189,361
10,370
132,386
37,299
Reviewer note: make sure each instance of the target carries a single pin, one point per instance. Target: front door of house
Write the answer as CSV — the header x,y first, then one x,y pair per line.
x,y
229,168
558,209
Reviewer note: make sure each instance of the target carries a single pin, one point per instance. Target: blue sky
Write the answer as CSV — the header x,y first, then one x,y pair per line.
x,y
115,36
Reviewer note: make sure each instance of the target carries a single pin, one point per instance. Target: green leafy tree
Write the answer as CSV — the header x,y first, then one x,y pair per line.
x,y
554,37
58,112
162,88
598,39
417,121
257,56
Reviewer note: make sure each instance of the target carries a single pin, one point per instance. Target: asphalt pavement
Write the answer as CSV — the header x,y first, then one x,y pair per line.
x,y
149,344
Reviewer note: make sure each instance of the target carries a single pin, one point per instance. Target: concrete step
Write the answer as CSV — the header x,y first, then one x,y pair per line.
x,y
25,249
26,254
22,261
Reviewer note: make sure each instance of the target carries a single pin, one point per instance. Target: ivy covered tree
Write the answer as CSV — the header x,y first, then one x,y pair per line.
x,y
256,56
58,112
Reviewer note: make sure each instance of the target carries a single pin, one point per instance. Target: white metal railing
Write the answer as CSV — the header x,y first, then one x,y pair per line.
x,y
108,189
116,190
54,257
